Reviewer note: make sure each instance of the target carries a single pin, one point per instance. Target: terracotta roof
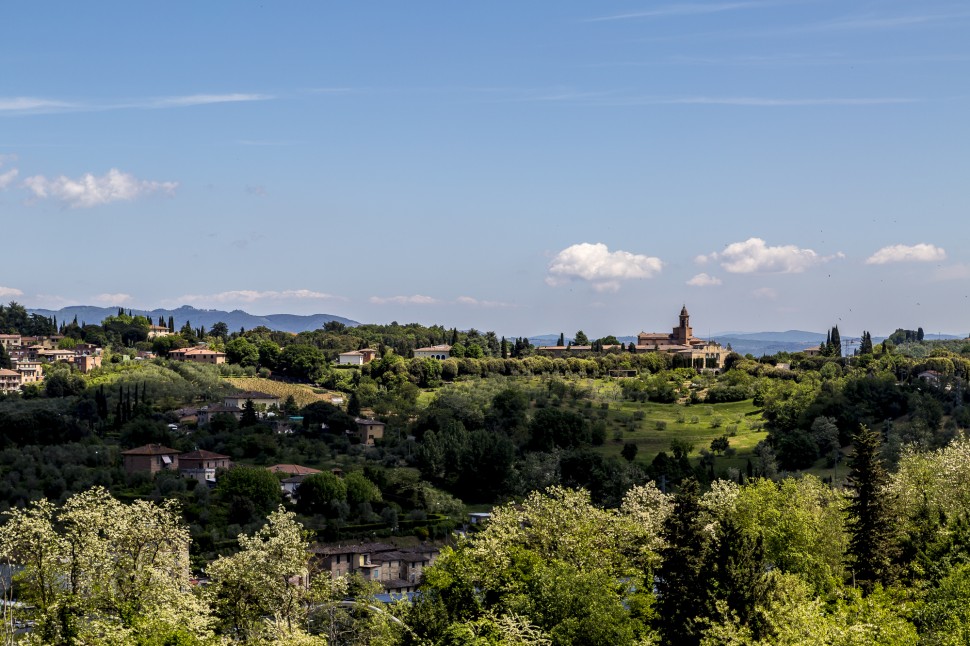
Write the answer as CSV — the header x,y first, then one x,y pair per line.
x,y
359,548
150,449
9,373
199,454
292,469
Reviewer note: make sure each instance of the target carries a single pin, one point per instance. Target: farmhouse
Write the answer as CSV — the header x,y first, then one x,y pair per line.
x,y
440,352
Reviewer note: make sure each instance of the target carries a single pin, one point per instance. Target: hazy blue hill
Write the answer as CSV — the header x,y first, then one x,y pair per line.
x,y
235,319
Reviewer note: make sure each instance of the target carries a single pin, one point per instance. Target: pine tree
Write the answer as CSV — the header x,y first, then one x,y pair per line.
x,y
870,521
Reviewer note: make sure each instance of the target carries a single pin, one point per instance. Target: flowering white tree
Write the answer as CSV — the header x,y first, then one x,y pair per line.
x,y
100,571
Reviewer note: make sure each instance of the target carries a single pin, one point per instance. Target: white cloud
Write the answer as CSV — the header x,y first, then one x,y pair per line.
x,y
684,9
9,291
907,253
201,99
113,299
704,280
602,268
416,299
88,190
37,105
754,256
766,293
31,104
6,179
251,296
474,302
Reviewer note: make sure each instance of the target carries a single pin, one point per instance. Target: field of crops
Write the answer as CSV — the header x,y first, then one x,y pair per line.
x,y
302,393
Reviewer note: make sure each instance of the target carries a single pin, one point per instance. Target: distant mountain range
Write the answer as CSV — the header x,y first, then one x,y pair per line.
x,y
235,319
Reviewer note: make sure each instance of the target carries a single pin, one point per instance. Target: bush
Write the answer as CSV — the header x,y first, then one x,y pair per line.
x,y
660,425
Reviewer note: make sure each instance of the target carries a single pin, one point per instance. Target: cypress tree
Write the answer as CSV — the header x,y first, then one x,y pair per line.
x,y
353,405
249,417
562,340
919,334
5,362
505,348
683,580
836,342
870,521
171,324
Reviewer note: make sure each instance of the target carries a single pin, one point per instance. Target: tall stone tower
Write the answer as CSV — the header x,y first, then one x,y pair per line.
x,y
683,334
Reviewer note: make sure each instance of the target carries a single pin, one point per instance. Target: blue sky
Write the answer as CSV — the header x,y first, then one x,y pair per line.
x,y
522,167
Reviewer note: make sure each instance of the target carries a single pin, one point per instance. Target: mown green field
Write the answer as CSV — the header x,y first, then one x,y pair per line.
x,y
653,426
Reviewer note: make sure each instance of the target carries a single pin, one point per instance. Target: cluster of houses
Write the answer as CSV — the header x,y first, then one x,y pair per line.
x,y
29,353
700,353
398,569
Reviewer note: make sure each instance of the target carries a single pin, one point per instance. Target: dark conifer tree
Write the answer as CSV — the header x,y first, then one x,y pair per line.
x,y
171,324
562,340
683,580
505,348
865,346
871,544
836,342
249,417
353,405
454,336
739,575
919,334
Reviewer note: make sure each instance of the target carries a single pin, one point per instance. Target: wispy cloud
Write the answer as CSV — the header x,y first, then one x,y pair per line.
x,y
621,99
39,105
251,296
684,9
765,293
474,302
755,256
704,280
113,299
198,99
601,268
921,252
875,21
9,291
7,178
90,190
772,102
416,299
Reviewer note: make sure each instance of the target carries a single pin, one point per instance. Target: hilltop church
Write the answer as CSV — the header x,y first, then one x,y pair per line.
x,y
681,342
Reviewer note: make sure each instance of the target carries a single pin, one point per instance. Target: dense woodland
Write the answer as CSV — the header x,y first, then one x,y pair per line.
x,y
831,510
